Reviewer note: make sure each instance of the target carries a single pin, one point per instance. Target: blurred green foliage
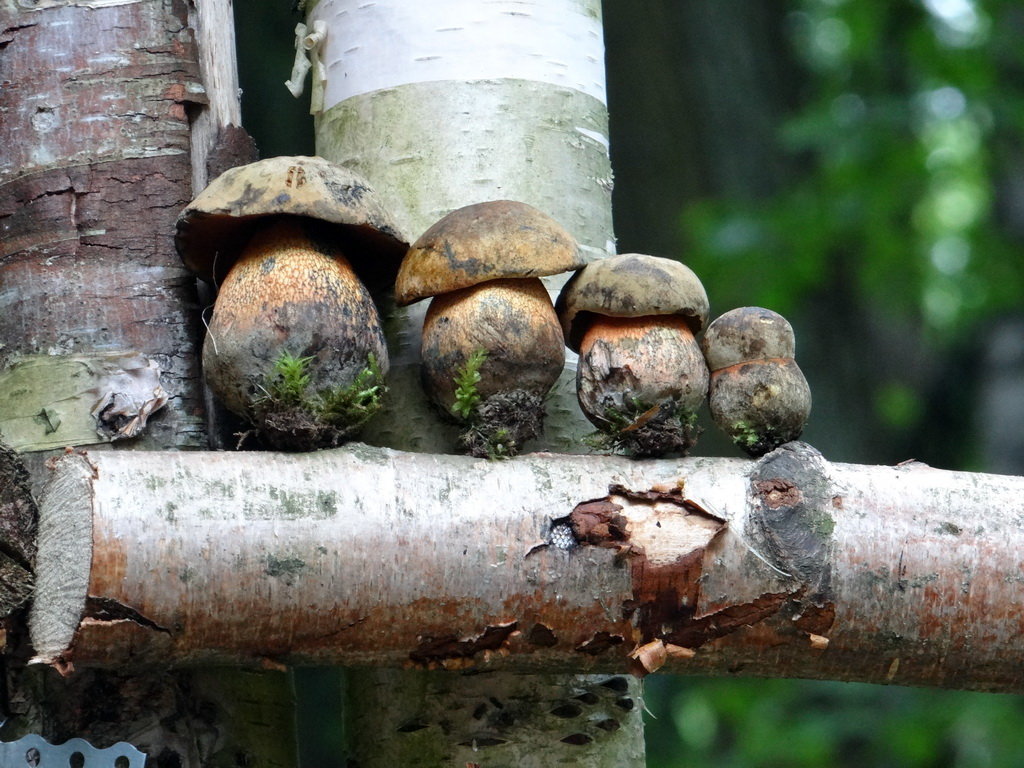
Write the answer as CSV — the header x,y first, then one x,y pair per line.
x,y
901,157
910,115
808,724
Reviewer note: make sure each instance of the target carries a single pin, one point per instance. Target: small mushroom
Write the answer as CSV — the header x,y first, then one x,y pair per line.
x,y
641,377
295,344
759,396
492,347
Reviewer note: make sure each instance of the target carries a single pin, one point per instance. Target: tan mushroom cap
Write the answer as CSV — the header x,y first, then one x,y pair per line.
x,y
214,227
630,285
485,241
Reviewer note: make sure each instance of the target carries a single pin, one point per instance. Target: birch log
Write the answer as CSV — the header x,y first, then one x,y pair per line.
x,y
788,566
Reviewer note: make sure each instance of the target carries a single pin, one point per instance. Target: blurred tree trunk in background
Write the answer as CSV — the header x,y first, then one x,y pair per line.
x,y
697,91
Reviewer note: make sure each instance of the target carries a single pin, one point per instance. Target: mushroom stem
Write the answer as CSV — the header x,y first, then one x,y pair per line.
x,y
291,298
513,322
641,380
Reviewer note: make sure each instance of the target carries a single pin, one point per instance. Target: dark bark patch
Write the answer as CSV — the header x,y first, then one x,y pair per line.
x,y
790,522
578,739
18,520
542,636
599,523
816,620
599,643
777,492
411,726
617,684
432,651
567,710
693,633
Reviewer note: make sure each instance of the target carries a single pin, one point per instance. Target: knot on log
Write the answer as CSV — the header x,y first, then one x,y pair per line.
x,y
789,523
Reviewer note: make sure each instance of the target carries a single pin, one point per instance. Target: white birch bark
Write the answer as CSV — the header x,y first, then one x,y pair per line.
x,y
788,566
449,103
445,104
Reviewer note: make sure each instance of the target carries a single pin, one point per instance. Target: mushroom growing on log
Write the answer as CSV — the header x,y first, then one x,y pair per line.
x,y
759,396
295,344
492,347
641,376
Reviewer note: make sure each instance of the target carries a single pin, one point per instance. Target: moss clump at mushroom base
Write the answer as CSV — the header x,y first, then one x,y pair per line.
x,y
640,381
510,328
290,294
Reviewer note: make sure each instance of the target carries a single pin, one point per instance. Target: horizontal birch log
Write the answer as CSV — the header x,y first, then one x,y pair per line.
x,y
788,566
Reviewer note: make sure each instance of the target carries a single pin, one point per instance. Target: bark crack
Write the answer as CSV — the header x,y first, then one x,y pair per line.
x,y
107,609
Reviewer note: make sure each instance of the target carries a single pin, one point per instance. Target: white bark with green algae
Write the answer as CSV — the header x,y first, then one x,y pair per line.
x,y
787,566
446,104
476,102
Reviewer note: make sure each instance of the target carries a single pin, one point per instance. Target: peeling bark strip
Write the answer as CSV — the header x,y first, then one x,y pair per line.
x,y
94,170
917,582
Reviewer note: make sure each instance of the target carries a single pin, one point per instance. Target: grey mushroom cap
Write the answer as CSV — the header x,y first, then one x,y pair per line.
x,y
745,335
215,226
630,285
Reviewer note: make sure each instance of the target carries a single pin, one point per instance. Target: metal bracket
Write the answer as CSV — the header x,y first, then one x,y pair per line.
x,y
34,751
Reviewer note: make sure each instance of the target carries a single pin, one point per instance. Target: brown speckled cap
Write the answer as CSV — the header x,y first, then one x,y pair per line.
x,y
485,241
213,228
630,285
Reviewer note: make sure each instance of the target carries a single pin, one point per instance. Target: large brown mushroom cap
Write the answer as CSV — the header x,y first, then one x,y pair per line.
x,y
485,241
630,285
213,228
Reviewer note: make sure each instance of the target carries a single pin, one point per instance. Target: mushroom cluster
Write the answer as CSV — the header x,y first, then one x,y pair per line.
x,y
641,377
295,344
759,396
492,346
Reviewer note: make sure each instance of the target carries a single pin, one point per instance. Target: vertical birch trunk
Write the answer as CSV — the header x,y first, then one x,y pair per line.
x,y
441,105
99,321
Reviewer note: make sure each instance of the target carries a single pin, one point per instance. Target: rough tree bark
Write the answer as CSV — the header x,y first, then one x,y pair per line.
x,y
99,321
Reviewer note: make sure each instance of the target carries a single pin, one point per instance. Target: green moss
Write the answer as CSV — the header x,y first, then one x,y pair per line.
x,y
645,430
284,566
467,397
293,416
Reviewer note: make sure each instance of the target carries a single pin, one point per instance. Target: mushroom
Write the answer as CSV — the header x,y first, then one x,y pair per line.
x,y
492,347
295,344
759,396
641,377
